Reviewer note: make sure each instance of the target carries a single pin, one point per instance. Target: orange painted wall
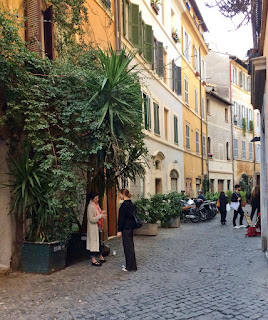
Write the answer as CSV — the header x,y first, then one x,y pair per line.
x,y
100,29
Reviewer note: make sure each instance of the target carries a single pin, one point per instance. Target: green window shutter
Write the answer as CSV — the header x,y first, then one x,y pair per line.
x,y
178,80
173,75
140,34
156,119
134,15
148,45
176,140
145,111
149,113
159,57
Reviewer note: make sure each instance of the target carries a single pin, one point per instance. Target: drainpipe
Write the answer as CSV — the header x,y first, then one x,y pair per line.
x,y
117,23
200,100
232,130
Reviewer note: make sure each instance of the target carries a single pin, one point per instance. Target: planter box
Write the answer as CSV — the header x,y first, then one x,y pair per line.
x,y
76,250
43,258
243,203
172,223
155,7
148,229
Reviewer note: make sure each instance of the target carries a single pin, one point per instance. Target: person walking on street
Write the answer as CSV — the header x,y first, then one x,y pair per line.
x,y
236,197
95,218
255,201
126,225
222,207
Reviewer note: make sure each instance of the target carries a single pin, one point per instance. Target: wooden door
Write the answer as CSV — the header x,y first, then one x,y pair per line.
x,y
112,211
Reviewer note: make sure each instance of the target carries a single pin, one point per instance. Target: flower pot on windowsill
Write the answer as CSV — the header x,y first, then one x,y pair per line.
x,y
155,7
204,83
210,155
197,73
175,37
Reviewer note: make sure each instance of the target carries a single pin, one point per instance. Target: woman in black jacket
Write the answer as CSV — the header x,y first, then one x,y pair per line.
x,y
222,208
126,225
255,201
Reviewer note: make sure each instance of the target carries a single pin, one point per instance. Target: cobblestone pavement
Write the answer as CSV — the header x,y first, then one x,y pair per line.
x,y
200,271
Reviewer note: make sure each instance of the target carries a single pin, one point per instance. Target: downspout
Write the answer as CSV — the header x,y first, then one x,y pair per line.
x,y
232,130
117,23
200,100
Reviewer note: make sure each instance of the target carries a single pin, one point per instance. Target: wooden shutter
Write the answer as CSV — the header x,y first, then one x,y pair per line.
x,y
156,118
48,33
134,24
33,25
176,140
140,34
148,46
145,111
149,121
173,75
159,54
124,18
178,83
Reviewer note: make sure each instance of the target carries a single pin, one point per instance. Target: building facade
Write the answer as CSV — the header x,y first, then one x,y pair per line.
x,y
150,30
194,49
219,142
259,87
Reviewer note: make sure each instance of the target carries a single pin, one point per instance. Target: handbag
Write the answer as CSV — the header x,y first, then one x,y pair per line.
x,y
235,205
218,203
138,223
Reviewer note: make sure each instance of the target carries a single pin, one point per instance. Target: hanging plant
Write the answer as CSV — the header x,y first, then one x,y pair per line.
x,y
155,6
244,126
251,126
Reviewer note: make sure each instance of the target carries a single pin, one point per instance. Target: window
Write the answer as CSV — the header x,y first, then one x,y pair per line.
x,y
197,142
186,45
159,58
250,148
187,136
243,149
196,100
147,111
234,76
166,123
235,113
243,85
258,122
227,151
203,70
228,184
156,119
204,145
176,78
249,84
258,152
186,91
208,106
174,180
209,145
196,59
148,43
176,136
202,107
236,148
226,114
165,69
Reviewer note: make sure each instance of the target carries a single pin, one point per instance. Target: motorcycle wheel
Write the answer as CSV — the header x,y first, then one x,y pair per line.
x,y
197,216
203,215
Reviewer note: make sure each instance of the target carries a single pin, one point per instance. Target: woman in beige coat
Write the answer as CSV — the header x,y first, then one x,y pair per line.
x,y
95,218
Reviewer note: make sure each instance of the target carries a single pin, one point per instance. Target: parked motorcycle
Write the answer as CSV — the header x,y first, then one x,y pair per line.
x,y
206,208
189,210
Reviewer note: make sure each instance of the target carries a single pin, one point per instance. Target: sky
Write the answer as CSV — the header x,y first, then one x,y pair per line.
x,y
222,36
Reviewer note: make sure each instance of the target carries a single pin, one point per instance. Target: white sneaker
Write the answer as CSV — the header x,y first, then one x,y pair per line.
x,y
242,226
236,227
124,269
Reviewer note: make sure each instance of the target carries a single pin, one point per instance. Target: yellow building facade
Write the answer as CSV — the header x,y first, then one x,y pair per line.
x,y
194,50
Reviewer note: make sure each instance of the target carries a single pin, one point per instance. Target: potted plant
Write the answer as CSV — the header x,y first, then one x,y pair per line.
x,y
210,155
48,227
175,36
204,82
155,5
150,211
243,198
244,126
229,195
251,126
197,73
171,217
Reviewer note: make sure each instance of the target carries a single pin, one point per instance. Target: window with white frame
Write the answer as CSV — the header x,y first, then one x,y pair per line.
x,y
197,142
202,107
186,91
243,149
187,135
243,85
236,148
258,152
258,122
204,145
186,45
196,100
234,76
235,113
250,150
147,111
196,59
248,84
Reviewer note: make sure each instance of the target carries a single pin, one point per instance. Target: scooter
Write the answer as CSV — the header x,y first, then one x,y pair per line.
x,y
189,210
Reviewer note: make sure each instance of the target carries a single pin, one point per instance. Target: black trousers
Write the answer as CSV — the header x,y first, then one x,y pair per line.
x,y
128,245
223,215
241,212
253,211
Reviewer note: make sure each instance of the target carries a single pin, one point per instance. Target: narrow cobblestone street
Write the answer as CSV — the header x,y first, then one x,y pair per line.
x,y
199,271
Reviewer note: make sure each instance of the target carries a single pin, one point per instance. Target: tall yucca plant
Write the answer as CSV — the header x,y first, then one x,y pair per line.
x,y
30,195
116,99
